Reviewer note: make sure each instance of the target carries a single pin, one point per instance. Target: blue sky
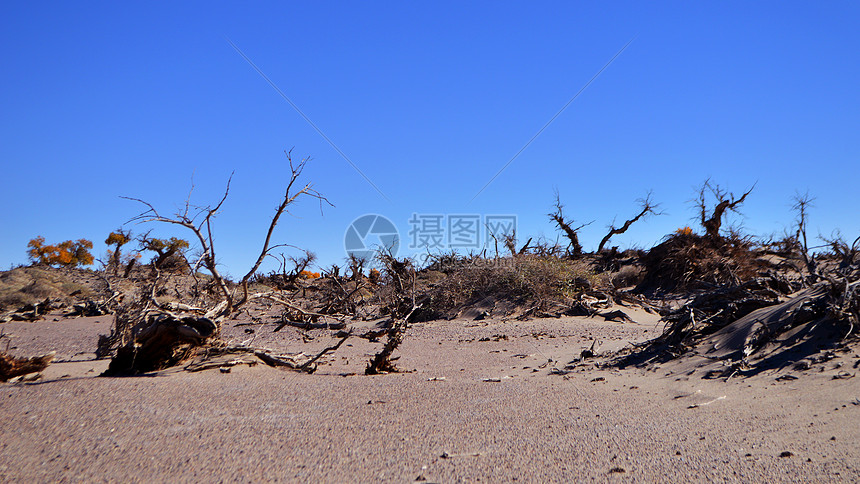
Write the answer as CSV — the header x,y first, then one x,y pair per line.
x,y
429,100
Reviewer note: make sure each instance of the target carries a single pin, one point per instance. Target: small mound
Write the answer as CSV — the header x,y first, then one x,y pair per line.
x,y
30,285
686,261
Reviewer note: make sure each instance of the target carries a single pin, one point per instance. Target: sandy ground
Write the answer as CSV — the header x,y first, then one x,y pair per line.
x,y
480,404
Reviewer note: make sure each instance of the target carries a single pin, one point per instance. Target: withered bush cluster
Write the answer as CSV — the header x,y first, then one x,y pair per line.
x,y
686,261
524,280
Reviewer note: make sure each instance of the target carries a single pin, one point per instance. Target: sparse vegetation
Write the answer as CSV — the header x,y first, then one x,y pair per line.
x,y
30,285
541,284
174,309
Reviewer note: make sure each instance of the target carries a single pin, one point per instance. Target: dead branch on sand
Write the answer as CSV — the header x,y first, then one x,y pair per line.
x,y
11,366
400,275
756,326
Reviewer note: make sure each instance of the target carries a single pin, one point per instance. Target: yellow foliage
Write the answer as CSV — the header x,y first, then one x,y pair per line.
x,y
684,231
68,253
309,275
117,238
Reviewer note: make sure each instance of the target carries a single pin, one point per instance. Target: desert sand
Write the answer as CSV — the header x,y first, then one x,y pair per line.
x,y
488,401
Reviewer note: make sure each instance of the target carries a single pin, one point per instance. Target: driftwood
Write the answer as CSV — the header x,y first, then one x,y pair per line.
x,y
308,318
161,341
748,334
309,325
89,308
382,361
32,312
11,366
730,335
293,361
224,361
310,365
289,361
588,303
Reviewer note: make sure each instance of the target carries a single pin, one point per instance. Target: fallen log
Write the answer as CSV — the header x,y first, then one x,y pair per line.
x,y
815,320
745,336
166,340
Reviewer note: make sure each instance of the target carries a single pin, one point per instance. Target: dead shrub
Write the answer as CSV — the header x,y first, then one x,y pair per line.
x,y
398,276
627,276
525,280
689,261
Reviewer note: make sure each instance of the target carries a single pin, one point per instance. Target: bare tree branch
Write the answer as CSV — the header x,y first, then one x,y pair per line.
x,y
295,173
801,206
202,230
648,208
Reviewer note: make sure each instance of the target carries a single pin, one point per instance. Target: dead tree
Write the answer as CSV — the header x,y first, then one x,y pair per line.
x,y
511,244
290,269
200,224
400,277
726,201
840,249
801,206
289,198
356,264
648,208
154,335
574,247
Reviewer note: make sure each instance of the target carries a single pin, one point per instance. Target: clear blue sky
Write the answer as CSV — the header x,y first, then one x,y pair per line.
x,y
429,99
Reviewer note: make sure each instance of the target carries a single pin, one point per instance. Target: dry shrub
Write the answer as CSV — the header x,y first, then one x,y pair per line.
x,y
524,280
627,276
686,261
398,276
